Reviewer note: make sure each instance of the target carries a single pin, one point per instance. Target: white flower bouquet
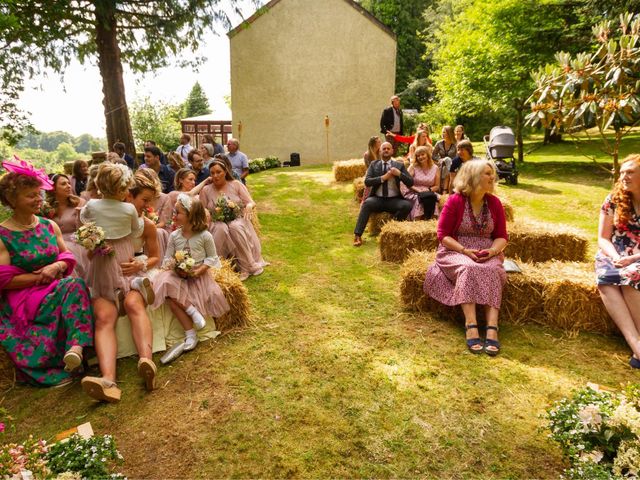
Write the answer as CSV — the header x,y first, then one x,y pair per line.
x,y
182,263
91,237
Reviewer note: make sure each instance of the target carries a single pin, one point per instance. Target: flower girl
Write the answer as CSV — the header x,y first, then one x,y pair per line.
x,y
120,222
185,281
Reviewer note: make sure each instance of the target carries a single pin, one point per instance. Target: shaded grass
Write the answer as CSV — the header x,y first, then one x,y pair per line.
x,y
332,380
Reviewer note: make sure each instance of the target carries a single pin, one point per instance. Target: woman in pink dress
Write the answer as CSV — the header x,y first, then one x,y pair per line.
x,y
426,181
237,238
468,268
63,207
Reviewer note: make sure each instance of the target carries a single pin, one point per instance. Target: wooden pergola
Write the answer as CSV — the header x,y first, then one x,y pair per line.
x,y
198,126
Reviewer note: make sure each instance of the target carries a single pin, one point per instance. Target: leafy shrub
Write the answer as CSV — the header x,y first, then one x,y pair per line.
x,y
258,164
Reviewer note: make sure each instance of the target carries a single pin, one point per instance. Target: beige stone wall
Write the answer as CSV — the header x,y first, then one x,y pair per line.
x,y
302,60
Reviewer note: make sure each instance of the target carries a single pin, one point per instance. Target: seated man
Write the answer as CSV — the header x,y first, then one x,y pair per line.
x,y
384,177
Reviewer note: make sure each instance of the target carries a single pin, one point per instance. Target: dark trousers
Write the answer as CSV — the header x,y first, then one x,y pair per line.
x,y
398,206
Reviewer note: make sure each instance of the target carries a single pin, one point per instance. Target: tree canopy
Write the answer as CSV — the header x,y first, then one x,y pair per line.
x,y
196,103
143,35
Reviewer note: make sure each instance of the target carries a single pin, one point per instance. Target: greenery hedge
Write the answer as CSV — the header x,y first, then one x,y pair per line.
x,y
258,164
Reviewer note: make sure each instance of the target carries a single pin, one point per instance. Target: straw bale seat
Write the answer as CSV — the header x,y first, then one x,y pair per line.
x,y
358,189
348,170
529,241
377,220
557,294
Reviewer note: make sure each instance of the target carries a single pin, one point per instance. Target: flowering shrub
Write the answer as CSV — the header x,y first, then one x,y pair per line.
x,y
29,455
599,432
89,457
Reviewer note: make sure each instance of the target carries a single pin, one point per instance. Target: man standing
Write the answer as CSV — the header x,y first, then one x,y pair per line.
x,y
165,174
185,147
392,121
239,161
384,177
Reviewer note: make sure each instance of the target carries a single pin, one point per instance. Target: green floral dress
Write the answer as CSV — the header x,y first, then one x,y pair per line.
x,y
63,319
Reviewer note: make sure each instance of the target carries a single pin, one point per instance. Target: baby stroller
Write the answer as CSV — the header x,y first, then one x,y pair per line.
x,y
500,145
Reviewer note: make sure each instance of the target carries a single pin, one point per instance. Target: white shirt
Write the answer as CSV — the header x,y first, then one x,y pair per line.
x,y
184,150
117,219
392,186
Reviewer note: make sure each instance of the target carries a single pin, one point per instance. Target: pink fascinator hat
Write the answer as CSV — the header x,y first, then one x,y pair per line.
x,y
25,168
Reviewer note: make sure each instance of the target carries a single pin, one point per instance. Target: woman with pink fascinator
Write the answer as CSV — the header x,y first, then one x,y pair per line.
x,y
45,315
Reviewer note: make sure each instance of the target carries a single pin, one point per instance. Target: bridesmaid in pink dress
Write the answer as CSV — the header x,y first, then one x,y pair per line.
x,y
65,210
237,238
426,178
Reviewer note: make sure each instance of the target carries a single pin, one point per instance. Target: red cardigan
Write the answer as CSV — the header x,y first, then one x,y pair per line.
x,y
451,217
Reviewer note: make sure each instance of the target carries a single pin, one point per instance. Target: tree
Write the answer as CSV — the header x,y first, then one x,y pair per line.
x,y
65,152
49,141
598,89
405,19
159,122
196,103
484,54
143,35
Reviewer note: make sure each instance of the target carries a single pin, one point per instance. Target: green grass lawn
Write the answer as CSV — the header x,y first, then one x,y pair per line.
x,y
333,379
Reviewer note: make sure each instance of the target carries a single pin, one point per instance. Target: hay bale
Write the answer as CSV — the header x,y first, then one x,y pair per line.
x,y
534,242
561,295
237,296
348,170
529,241
508,210
255,222
377,221
7,371
358,189
399,239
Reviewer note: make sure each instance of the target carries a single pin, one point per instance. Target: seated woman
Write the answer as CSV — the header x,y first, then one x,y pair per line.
x,y
426,180
373,150
420,141
468,268
464,148
443,154
237,238
618,259
80,176
45,314
63,209
459,133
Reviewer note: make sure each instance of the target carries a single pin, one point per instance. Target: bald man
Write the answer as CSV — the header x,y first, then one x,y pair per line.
x,y
384,177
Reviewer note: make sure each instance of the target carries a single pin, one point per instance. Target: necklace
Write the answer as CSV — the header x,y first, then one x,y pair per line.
x,y
22,226
482,224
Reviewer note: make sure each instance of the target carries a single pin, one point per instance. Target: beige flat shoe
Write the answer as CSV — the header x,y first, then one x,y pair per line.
x,y
72,361
147,370
101,389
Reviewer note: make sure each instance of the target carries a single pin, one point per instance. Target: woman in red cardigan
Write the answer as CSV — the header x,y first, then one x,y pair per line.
x,y
468,269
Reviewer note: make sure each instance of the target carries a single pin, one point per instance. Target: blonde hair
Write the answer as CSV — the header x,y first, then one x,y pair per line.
x,y
417,137
177,160
113,179
113,157
468,177
428,163
622,199
144,180
91,181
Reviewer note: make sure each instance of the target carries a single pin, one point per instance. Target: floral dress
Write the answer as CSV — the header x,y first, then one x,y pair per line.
x,y
63,319
626,240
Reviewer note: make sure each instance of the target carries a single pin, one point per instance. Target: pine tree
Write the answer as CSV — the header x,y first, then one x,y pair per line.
x,y
196,103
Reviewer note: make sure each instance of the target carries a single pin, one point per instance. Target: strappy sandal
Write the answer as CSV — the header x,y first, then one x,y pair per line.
x,y
492,343
472,342
101,389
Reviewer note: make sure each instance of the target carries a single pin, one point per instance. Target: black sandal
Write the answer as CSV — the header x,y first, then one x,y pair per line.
x,y
472,342
492,343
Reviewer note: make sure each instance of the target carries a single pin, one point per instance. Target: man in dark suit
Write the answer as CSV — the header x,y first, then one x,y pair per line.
x,y
391,121
384,177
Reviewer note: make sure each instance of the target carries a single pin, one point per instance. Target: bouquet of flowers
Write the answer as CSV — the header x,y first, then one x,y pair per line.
x,y
151,214
225,210
599,432
182,263
91,237
47,211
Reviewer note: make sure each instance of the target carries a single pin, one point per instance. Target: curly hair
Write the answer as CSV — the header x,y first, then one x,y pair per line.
x,y
113,179
13,183
50,195
622,199
146,179
469,176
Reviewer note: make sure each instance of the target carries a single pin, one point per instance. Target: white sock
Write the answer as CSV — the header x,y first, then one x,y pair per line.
x,y
191,339
198,320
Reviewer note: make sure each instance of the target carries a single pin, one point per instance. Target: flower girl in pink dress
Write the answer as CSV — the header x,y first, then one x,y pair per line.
x,y
120,222
185,281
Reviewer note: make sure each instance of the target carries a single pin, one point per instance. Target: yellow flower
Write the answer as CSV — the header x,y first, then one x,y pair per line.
x,y
180,255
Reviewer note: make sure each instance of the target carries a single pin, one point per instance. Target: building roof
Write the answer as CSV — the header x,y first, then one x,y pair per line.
x,y
210,117
265,8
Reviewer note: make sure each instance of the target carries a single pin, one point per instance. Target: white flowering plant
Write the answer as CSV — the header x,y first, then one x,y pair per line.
x,y
599,432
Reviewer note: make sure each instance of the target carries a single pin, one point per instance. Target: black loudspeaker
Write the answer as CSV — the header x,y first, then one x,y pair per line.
x,y
294,160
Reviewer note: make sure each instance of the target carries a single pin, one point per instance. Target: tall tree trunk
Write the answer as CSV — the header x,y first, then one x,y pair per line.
x,y
116,112
519,106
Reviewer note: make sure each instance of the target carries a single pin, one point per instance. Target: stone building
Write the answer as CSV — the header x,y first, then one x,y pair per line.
x,y
296,62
